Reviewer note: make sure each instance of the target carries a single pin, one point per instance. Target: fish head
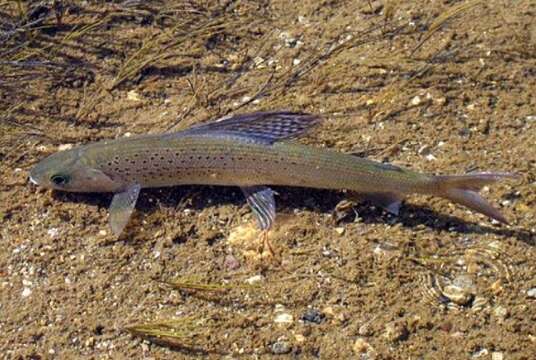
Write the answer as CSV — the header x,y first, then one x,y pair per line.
x,y
69,171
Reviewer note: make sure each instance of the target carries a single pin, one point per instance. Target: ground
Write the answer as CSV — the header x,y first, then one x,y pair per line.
x,y
443,87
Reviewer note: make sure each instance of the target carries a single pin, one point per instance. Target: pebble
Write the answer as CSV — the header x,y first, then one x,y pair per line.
x,y
313,316
531,293
283,318
362,347
132,95
64,147
231,263
299,338
415,101
26,292
339,230
280,347
396,331
254,279
501,312
481,352
53,232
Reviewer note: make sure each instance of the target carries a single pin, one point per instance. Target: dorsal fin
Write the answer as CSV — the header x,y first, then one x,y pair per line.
x,y
266,127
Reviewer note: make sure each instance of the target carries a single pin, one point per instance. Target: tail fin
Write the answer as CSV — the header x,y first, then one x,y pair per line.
x,y
463,189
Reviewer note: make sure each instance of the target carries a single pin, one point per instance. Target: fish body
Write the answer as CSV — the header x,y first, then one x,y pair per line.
x,y
251,151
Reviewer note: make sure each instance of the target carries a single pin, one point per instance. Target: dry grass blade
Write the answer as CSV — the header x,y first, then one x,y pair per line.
x,y
194,284
166,44
177,333
443,18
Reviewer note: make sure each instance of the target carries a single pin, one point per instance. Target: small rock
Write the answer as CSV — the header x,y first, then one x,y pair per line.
x,y
362,347
500,312
132,95
328,310
283,318
254,279
396,331
280,347
64,147
231,263
313,316
497,355
296,62
480,353
415,101
26,292
299,338
531,293
339,230
53,232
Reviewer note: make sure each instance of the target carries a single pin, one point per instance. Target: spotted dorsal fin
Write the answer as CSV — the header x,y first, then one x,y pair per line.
x,y
267,127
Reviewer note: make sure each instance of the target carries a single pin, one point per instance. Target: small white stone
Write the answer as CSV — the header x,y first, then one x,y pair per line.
x,y
245,99
415,101
102,232
481,352
132,95
127,134
283,318
430,157
51,351
64,147
296,62
26,292
531,118
254,279
53,232
339,230
531,293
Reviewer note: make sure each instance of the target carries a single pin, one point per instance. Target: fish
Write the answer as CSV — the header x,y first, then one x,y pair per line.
x,y
253,151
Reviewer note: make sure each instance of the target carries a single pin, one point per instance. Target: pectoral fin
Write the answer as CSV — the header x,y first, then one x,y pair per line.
x,y
121,208
389,201
261,200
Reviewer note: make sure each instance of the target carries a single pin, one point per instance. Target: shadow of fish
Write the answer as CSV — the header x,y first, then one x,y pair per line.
x,y
250,151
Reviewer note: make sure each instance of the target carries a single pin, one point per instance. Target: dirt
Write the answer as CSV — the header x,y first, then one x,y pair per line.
x,y
443,87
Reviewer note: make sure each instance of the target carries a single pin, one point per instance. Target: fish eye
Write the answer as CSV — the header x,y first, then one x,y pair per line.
x,y
59,179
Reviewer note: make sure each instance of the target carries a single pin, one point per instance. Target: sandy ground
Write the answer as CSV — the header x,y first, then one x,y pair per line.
x,y
440,86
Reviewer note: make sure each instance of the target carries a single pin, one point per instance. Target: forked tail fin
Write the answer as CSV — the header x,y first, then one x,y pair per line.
x,y
463,189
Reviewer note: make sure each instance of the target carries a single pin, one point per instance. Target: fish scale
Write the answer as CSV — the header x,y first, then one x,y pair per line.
x,y
249,151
